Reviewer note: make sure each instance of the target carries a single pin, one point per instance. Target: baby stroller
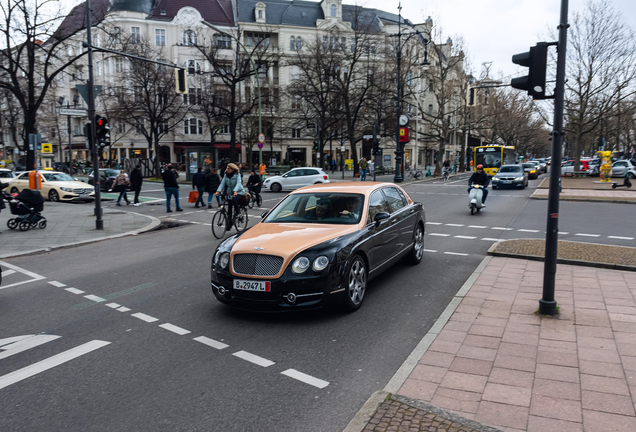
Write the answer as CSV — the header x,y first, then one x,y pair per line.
x,y
27,206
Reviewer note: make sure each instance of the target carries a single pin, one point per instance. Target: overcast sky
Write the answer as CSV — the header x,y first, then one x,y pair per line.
x,y
494,30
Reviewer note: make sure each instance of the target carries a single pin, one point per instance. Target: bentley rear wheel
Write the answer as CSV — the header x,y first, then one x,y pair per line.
x,y
356,284
415,255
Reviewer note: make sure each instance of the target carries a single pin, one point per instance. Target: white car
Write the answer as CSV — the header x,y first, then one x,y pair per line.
x,y
296,178
6,174
56,186
621,167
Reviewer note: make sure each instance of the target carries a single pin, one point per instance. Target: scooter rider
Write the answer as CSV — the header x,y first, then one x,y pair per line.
x,y
481,178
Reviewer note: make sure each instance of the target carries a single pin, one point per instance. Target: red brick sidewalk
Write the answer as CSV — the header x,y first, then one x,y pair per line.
x,y
496,362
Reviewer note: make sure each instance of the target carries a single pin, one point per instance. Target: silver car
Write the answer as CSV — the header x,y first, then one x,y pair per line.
x,y
620,168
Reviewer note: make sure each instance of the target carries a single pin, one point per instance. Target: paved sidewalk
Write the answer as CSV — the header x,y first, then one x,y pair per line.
x,y
490,359
69,224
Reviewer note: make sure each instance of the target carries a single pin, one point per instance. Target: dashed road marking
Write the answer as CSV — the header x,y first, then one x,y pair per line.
x,y
211,342
564,232
587,235
528,230
430,250
476,226
621,238
433,223
439,234
94,298
260,361
123,309
307,379
113,305
454,225
489,239
465,237
173,328
456,253
74,290
144,317
501,228
54,283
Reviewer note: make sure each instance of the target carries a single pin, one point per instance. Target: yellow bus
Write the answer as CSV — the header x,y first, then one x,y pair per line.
x,y
493,156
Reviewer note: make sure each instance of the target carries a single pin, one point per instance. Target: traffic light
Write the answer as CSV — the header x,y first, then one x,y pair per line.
x,y
181,81
471,96
316,145
102,131
536,61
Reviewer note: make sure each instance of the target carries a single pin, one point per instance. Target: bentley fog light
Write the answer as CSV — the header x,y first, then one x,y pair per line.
x,y
321,263
300,265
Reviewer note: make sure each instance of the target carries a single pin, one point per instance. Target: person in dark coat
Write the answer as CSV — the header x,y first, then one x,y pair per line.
x,y
2,186
171,187
212,183
198,182
136,179
481,178
254,184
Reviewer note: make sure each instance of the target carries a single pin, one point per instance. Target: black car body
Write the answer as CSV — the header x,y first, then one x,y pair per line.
x,y
373,244
106,178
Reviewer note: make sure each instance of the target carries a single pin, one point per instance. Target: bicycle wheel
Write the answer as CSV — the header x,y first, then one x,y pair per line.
x,y
250,202
419,175
259,200
219,222
409,175
240,220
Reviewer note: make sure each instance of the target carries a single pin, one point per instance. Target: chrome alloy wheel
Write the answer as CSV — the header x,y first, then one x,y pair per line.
x,y
357,281
419,243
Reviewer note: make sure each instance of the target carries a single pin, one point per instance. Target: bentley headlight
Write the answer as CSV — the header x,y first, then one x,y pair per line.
x,y
224,258
300,265
65,189
321,263
216,257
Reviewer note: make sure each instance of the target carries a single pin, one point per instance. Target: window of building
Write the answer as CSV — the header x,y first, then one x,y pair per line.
x,y
430,109
162,95
163,126
139,126
299,43
292,43
260,14
295,72
430,85
121,127
119,64
409,78
116,36
225,129
353,44
193,97
138,94
76,130
162,12
135,34
333,10
257,39
96,40
193,127
189,38
160,37
345,73
222,41
296,132
193,67
325,42
295,102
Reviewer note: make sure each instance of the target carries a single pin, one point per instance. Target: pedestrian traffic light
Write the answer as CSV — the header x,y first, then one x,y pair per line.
x,y
102,131
181,81
536,61
316,145
471,96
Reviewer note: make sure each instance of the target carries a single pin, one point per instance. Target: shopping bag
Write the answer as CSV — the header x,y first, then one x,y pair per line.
x,y
193,197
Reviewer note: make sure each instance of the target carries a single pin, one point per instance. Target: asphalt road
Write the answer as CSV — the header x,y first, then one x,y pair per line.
x,y
180,360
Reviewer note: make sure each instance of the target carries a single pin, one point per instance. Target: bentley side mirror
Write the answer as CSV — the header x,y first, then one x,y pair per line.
x,y
264,214
380,216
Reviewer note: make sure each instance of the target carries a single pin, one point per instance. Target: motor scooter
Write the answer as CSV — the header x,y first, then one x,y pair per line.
x,y
474,198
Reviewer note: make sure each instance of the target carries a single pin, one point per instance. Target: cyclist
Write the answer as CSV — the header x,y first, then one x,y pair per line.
x,y
254,184
231,185
446,168
481,178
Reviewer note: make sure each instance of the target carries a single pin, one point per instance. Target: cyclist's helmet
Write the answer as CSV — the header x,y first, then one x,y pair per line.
x,y
480,166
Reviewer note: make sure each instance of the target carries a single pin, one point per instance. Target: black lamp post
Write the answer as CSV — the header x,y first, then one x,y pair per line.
x,y
399,153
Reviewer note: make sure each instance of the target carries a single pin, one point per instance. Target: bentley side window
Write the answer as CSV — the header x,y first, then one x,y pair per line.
x,y
377,204
394,199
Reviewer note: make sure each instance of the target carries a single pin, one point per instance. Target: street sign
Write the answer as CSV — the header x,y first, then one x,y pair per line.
x,y
405,134
47,148
261,138
83,91
342,148
260,145
73,112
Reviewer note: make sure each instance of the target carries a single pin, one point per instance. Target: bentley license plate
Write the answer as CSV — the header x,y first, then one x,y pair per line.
x,y
250,285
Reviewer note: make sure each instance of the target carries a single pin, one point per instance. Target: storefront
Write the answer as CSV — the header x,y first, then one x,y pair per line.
x,y
272,155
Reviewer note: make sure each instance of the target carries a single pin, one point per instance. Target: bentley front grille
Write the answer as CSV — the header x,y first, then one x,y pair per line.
x,y
257,264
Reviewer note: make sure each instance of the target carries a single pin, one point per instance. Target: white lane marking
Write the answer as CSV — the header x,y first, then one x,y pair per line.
x,y
489,239
9,272
433,223
587,235
501,228
211,342
455,225
430,193
144,317
181,220
429,250
518,196
113,305
465,237
123,309
173,328
187,213
74,290
528,230
504,195
12,346
94,298
621,238
207,224
456,253
253,358
307,379
51,362
54,283
439,234
563,232
476,226
21,270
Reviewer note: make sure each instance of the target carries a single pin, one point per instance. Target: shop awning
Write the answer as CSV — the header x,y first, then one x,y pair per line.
x,y
266,148
80,147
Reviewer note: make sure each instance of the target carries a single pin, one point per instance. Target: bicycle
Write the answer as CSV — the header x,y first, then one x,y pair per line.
x,y
446,174
219,221
410,174
255,198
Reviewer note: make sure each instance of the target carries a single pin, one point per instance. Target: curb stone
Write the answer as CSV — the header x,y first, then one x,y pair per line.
x,y
365,414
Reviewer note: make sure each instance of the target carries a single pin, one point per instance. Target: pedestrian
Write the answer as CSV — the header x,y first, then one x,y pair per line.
x,y
171,187
372,169
223,165
333,165
254,184
212,182
262,167
136,179
240,171
2,186
121,184
198,182
233,188
364,165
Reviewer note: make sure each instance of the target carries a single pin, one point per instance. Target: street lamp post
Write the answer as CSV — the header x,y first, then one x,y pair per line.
x,y
258,84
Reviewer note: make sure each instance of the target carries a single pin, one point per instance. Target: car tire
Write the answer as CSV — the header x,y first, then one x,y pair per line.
x,y
14,190
494,187
356,284
54,196
275,187
414,256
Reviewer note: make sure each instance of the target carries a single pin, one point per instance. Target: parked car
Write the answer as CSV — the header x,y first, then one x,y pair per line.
x,y
56,186
6,174
621,167
319,246
510,175
531,170
106,178
567,169
296,178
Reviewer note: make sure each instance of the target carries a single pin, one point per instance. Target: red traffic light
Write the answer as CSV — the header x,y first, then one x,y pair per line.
x,y
101,121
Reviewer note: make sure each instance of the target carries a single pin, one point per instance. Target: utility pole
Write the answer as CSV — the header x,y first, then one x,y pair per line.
x,y
399,153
